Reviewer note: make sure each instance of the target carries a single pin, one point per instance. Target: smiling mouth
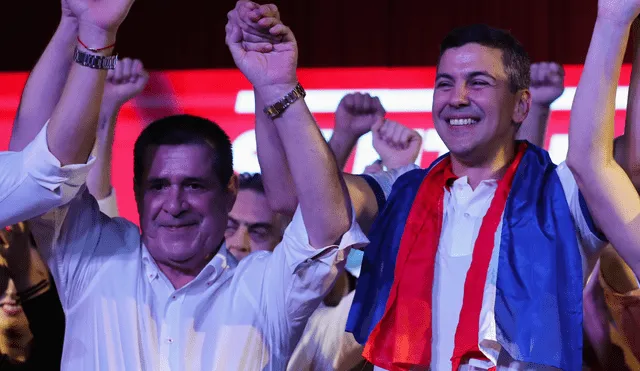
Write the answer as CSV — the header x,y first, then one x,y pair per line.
x,y
11,309
462,122
178,227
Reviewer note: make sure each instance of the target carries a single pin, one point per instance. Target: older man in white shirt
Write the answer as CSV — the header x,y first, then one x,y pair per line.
x,y
172,297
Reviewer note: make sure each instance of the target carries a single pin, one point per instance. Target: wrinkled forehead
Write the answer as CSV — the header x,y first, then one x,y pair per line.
x,y
179,161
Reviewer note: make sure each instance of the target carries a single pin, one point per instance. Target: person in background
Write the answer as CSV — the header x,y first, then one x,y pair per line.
x,y
547,85
325,345
31,318
607,173
123,84
252,225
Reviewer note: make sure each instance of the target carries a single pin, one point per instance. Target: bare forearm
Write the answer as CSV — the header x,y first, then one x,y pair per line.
x,y
322,193
44,86
534,127
341,145
99,178
276,176
591,132
72,130
632,125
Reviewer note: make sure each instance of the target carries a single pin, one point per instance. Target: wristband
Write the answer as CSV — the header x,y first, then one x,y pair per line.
x,y
95,50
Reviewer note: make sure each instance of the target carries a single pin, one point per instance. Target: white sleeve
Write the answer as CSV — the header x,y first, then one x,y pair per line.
x,y
296,277
590,239
32,181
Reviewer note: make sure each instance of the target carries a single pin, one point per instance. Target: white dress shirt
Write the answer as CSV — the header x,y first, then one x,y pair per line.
x,y
464,209
32,181
325,346
124,314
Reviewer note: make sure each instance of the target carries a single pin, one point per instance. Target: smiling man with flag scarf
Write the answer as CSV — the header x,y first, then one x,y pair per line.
x,y
478,261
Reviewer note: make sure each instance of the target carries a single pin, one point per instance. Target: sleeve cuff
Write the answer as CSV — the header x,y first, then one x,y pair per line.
x,y
109,205
47,171
381,199
297,241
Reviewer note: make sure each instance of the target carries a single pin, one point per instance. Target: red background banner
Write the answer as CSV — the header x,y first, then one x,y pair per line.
x,y
225,97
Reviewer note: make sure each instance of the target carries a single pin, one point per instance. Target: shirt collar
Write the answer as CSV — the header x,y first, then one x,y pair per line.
x,y
221,262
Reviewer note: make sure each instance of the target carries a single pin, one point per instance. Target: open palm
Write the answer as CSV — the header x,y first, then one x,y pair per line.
x,y
104,14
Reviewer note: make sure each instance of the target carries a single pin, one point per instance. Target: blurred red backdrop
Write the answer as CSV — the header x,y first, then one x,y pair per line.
x,y
225,97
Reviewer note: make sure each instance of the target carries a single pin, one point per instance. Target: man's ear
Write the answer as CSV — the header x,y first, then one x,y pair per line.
x,y
522,106
232,191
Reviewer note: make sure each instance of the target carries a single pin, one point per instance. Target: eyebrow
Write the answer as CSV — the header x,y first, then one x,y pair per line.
x,y
251,225
469,76
481,73
185,180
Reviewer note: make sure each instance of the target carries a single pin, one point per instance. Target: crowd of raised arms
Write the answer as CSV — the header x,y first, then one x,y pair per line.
x,y
492,258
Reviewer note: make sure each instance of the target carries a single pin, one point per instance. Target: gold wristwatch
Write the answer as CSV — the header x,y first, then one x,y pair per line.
x,y
280,106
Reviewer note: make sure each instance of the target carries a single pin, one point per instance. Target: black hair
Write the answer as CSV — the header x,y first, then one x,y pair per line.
x,y
185,129
515,59
251,182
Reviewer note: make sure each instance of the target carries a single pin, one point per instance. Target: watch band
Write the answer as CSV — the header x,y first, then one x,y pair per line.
x,y
98,62
280,106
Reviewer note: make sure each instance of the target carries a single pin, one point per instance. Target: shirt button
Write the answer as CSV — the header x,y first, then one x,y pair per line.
x,y
169,341
209,283
466,215
173,297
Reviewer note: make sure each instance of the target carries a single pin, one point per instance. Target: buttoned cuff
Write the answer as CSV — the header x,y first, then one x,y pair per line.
x,y
109,205
47,171
299,250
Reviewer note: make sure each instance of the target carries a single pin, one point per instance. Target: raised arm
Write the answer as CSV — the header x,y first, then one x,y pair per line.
x,y
627,147
271,68
44,86
547,85
124,83
37,179
354,117
609,193
71,132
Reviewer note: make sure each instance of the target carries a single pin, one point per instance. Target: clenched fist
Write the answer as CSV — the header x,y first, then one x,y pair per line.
x,y
357,113
547,83
396,144
126,81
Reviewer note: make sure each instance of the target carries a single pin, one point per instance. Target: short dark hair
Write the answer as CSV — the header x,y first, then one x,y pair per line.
x,y
185,129
515,59
251,181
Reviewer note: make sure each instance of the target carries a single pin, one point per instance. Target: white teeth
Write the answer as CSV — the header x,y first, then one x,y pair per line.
x,y
460,122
